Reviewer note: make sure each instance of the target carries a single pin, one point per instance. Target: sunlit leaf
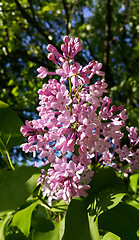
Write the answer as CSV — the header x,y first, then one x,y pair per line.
x,y
134,181
106,200
22,219
44,228
16,186
93,226
110,236
60,206
42,233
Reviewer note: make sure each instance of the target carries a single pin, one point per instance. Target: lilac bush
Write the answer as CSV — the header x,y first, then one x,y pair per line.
x,y
78,130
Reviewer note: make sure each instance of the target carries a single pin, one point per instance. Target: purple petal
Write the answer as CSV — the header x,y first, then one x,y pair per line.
x,y
42,72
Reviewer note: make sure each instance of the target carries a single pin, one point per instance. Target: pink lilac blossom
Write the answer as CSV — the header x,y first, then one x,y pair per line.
x,y
43,72
124,154
133,136
76,120
65,180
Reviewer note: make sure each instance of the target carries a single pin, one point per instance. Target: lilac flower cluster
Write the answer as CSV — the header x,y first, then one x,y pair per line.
x,y
79,121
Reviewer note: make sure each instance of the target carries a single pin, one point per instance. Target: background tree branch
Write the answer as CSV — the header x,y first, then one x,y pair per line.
x,y
32,21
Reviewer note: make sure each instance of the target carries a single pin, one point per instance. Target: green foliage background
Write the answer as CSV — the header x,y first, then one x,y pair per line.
x,y
109,31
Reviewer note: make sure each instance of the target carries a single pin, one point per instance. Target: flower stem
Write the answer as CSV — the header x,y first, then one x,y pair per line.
x,y
9,161
4,152
79,90
70,89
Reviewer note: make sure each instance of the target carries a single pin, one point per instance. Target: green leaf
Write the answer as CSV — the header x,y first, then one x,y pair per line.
x,y
2,226
10,124
93,225
110,236
50,7
106,178
134,180
15,91
134,203
43,232
106,200
76,222
44,228
60,206
123,220
107,190
17,186
58,232
22,219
